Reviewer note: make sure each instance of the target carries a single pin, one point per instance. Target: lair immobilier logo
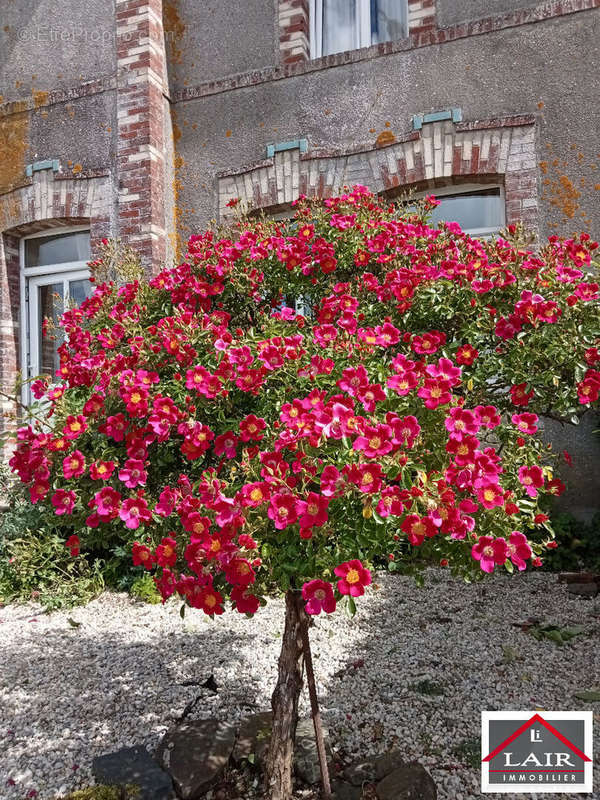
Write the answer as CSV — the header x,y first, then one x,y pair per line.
x,y
549,751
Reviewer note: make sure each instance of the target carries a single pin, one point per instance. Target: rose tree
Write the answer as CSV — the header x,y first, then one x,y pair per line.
x,y
238,447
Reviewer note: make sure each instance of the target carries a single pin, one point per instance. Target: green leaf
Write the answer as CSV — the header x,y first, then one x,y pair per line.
x,y
589,695
350,607
182,611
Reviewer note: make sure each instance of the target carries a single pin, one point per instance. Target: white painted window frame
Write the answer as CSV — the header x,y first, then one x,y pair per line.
x,y
30,279
467,188
362,30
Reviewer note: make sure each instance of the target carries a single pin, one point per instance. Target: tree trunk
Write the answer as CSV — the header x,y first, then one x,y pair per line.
x,y
284,702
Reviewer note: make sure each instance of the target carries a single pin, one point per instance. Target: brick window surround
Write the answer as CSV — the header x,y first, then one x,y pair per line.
x,y
440,153
294,26
49,202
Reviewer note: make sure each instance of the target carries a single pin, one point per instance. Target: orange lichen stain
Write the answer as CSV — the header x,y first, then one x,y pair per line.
x,y
573,147
540,105
194,125
544,167
385,138
174,28
34,77
77,169
70,111
6,28
18,84
372,130
597,187
228,134
69,164
1,99
327,112
44,114
14,141
580,157
39,98
388,124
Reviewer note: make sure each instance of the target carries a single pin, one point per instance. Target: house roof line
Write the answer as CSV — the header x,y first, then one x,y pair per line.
x,y
537,718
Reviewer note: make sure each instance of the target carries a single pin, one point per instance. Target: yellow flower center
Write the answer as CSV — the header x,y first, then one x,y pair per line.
x,y
210,600
256,494
352,576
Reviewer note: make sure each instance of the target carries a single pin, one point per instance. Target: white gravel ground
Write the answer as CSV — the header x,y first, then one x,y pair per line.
x,y
70,692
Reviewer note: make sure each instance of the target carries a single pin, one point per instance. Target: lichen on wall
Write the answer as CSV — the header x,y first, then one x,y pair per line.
x,y
14,143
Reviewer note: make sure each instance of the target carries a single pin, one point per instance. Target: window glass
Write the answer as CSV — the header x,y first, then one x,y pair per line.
x,y
57,249
473,210
50,302
339,26
388,20
79,290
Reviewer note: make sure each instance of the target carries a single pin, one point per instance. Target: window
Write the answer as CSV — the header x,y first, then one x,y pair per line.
x,y
339,25
479,211
55,276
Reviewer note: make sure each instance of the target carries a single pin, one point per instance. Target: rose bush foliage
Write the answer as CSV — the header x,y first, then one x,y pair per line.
x,y
238,446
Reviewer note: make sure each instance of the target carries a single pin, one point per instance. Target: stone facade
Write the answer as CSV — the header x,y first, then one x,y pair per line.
x,y
142,118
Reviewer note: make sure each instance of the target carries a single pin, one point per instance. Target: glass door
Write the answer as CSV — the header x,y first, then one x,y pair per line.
x,y
49,297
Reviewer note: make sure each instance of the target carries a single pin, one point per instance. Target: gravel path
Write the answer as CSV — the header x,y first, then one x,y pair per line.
x,y
412,670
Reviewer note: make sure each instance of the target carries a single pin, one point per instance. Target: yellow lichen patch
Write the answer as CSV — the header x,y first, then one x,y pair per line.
x,y
228,134
14,141
174,29
77,169
385,138
39,98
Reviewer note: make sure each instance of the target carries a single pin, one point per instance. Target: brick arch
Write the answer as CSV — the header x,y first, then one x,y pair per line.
x,y
49,201
440,152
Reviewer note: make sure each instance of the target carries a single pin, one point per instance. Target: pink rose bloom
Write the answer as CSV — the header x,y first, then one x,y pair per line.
x,y
132,473
135,512
319,597
74,464
375,441
325,334
488,416
526,423
226,444
461,421
313,510
63,501
489,552
331,481
519,550
532,478
283,510
107,502
353,578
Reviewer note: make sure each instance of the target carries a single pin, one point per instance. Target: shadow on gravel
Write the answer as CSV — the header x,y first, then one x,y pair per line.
x,y
423,663
128,691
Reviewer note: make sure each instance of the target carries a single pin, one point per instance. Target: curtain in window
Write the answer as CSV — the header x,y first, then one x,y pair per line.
x,y
339,26
388,20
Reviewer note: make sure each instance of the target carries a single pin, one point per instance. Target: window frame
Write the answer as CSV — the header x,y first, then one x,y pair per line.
x,y
362,30
34,277
470,188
